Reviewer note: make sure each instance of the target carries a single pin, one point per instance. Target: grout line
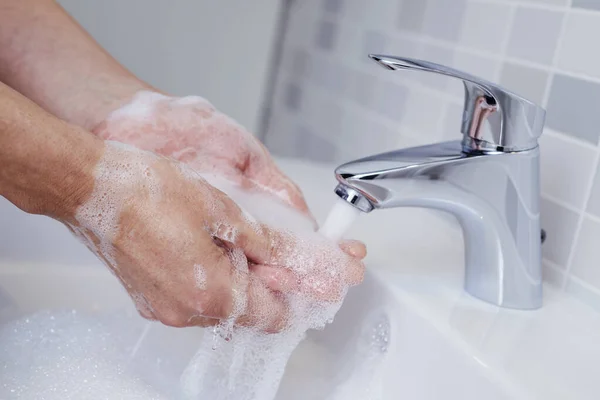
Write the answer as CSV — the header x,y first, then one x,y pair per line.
x,y
592,217
529,4
560,203
274,68
506,40
554,265
557,270
582,214
569,138
586,285
555,58
421,38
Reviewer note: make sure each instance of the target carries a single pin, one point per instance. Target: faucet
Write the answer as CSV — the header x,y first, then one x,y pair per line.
x,y
489,180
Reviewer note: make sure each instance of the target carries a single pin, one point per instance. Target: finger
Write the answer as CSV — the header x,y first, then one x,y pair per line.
x,y
198,320
265,309
262,170
215,300
354,248
354,274
278,279
143,306
274,187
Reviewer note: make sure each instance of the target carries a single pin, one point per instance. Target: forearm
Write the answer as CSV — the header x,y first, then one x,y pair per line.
x,y
48,57
46,165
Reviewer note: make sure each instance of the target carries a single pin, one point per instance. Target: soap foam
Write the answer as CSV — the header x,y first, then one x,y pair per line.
x,y
121,168
64,356
249,366
200,276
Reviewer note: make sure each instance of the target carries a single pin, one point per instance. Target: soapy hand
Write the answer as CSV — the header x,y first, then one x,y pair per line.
x,y
188,255
192,130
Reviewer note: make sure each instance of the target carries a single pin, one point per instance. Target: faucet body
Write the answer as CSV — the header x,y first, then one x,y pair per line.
x,y
490,181
495,198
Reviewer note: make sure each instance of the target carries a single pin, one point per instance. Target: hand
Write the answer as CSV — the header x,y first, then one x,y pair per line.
x,y
188,255
191,130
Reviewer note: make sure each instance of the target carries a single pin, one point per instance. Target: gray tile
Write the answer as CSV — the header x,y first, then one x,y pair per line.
x,y
575,54
485,26
364,136
312,146
411,15
391,101
443,19
362,88
452,122
293,96
279,138
573,108
440,55
330,74
540,2
326,35
300,63
591,4
587,253
593,206
567,166
374,43
333,6
535,34
527,82
560,225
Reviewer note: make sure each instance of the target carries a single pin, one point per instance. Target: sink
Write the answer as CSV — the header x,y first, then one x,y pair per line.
x,y
409,331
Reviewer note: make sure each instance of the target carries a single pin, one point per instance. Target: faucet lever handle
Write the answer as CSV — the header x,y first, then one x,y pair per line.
x,y
515,122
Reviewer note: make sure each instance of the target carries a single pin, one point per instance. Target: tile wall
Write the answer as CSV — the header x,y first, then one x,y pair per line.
x,y
333,104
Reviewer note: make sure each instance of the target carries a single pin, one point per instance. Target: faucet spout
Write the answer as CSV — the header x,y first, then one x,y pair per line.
x,y
494,196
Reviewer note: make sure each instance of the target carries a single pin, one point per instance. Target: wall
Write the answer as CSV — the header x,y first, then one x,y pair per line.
x,y
333,104
221,49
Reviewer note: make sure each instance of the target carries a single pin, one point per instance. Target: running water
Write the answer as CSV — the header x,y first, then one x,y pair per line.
x,y
340,219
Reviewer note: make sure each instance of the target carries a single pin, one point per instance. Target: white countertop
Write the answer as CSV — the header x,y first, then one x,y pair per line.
x,y
550,353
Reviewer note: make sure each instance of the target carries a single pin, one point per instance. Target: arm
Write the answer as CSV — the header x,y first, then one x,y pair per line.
x,y
46,165
126,204
48,57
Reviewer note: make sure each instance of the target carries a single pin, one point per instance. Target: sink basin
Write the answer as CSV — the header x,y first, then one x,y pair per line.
x,y
409,331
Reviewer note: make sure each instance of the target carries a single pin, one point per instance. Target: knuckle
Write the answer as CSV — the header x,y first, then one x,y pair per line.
x,y
214,303
146,315
174,319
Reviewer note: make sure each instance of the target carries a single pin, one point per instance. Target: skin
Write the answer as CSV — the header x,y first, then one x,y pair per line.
x,y
74,85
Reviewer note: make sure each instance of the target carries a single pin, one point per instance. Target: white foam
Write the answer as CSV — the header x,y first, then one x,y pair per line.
x,y
200,276
249,366
58,356
121,170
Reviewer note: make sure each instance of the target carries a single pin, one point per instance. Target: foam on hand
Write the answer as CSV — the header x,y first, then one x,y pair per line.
x,y
251,363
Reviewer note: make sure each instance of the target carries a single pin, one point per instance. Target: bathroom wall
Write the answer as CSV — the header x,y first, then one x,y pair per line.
x,y
221,50
333,104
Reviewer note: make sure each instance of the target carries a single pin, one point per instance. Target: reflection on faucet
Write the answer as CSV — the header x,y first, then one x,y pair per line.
x,y
491,190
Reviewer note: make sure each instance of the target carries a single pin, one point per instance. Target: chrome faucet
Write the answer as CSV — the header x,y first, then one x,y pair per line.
x,y
490,181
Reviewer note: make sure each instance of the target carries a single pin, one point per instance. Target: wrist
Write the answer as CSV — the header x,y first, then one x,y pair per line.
x,y
56,177
98,103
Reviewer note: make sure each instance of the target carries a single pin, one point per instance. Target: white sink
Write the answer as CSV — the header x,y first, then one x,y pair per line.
x,y
434,340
